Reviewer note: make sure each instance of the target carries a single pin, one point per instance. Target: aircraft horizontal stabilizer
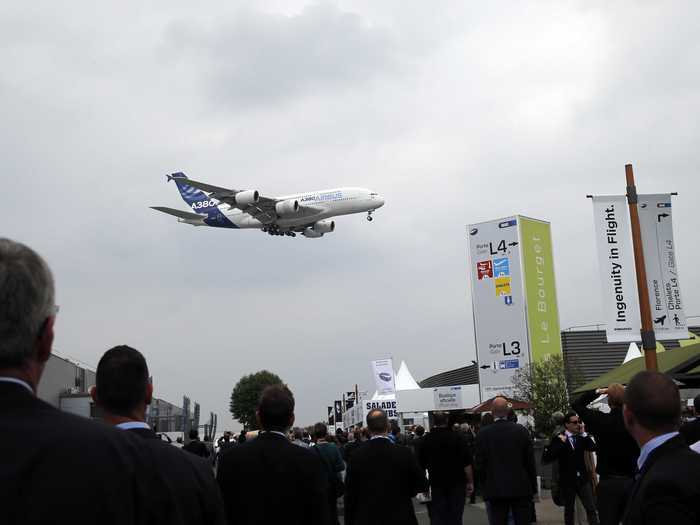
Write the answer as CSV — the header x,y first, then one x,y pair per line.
x,y
179,213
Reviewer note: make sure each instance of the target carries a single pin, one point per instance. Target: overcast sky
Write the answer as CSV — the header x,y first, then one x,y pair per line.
x,y
456,112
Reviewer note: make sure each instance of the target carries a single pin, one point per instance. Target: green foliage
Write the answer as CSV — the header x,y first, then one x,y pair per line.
x,y
245,396
543,385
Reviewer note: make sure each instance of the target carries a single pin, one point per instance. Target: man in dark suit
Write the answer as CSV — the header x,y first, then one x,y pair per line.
x,y
195,446
445,455
617,452
690,431
505,459
55,467
186,492
667,489
269,480
568,449
382,479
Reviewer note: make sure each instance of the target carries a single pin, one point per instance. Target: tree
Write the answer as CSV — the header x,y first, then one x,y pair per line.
x,y
245,396
543,385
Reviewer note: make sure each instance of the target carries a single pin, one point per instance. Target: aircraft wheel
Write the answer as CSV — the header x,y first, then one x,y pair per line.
x,y
369,218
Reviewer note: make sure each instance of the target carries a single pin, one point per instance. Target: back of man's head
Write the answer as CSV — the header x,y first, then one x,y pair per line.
x,y
276,408
377,421
420,431
440,419
194,433
122,380
654,402
298,434
26,302
500,407
320,431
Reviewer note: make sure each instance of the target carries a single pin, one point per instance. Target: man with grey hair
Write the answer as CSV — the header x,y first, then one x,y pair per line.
x,y
56,467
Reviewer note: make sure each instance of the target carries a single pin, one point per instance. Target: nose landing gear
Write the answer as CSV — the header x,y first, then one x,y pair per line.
x,y
369,216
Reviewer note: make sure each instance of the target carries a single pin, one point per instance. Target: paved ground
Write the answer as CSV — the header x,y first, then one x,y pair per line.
x,y
547,513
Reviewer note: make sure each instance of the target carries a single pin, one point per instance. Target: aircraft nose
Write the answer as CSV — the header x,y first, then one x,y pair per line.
x,y
379,200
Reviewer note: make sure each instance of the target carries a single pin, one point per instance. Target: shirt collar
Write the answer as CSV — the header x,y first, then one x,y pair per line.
x,y
132,424
381,437
5,379
275,432
652,444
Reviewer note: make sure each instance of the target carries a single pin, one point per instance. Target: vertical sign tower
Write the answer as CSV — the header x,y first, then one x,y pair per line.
x,y
516,320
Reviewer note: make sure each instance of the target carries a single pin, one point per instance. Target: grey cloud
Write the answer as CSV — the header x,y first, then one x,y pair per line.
x,y
254,58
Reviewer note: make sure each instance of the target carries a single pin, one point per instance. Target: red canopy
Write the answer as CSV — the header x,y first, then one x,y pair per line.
x,y
487,406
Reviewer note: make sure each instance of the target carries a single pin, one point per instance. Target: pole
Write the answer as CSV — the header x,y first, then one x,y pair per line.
x,y
647,332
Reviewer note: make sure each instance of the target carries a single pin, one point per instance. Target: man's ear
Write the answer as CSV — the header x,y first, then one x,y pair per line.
x,y
628,417
44,341
291,421
257,418
93,394
149,393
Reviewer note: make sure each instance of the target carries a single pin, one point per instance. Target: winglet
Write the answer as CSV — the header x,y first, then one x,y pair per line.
x,y
178,175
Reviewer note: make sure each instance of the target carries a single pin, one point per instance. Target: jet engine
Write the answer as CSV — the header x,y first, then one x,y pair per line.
x,y
287,208
247,197
324,226
311,234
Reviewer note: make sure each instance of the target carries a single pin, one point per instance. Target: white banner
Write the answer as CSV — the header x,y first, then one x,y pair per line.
x,y
660,261
498,304
616,265
383,370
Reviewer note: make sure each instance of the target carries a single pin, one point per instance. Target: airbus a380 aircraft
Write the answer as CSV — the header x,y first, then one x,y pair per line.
x,y
305,213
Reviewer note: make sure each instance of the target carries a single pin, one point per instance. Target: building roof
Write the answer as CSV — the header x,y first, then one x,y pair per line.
x,y
678,362
467,375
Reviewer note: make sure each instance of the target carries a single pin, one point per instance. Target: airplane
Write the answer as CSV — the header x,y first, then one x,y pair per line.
x,y
304,213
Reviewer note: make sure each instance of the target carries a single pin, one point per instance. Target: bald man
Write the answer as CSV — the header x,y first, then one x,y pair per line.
x,y
505,457
617,451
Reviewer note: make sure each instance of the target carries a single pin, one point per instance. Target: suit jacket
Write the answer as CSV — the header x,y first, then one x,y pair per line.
x,y
668,488
506,461
691,431
380,482
572,464
445,454
617,451
61,468
268,480
188,492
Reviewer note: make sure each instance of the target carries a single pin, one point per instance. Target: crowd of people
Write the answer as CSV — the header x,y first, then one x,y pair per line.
x,y
61,468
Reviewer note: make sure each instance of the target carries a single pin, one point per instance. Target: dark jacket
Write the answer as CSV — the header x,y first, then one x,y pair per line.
x,y
668,488
571,462
189,492
445,454
617,452
690,431
268,480
381,480
506,461
197,448
61,468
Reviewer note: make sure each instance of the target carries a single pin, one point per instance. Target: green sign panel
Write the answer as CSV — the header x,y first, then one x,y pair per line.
x,y
540,290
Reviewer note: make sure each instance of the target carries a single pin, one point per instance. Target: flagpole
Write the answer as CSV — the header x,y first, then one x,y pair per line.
x,y
647,331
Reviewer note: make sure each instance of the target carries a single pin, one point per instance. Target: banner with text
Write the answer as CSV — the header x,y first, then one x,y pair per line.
x,y
498,303
447,397
656,224
540,289
616,265
383,370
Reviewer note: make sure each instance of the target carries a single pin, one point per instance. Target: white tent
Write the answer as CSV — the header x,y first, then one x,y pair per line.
x,y
403,379
632,353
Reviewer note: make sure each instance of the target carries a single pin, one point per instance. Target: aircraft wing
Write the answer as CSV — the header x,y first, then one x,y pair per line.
x,y
179,213
263,210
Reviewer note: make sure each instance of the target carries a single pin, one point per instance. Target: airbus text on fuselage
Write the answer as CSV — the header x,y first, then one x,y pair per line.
x,y
305,213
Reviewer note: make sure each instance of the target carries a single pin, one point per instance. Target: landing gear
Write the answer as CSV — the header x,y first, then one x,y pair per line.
x,y
273,229
369,215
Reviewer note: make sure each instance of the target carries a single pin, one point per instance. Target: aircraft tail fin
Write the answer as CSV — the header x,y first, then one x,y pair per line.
x,y
190,195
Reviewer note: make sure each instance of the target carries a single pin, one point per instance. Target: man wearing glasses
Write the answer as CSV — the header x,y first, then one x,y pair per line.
x,y
569,448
